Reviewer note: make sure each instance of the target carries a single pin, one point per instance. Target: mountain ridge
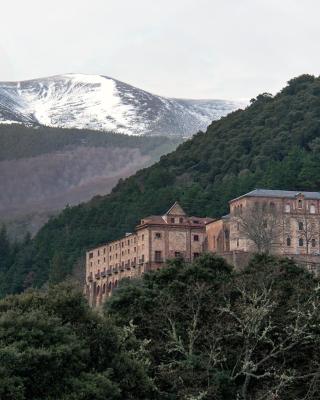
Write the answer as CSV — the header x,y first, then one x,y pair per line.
x,y
100,102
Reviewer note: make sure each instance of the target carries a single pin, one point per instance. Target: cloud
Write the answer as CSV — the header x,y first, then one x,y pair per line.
x,y
180,48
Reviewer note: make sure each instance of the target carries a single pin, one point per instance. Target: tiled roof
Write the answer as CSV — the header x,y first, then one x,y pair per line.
x,y
158,220
286,194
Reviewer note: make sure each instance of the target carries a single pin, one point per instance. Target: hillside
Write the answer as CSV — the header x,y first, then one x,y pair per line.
x,y
105,104
274,143
44,169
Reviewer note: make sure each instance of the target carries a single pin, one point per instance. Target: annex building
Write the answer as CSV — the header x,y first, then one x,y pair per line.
x,y
285,223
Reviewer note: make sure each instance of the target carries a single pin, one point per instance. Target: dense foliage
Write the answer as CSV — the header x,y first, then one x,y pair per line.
x,y
274,143
196,331
217,334
52,346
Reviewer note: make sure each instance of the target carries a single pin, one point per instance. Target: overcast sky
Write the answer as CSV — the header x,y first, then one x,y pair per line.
x,y
179,48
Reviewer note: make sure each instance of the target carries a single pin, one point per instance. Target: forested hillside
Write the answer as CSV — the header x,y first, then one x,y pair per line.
x,y
274,143
43,169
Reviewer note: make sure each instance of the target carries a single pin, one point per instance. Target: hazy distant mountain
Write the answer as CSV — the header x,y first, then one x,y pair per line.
x,y
102,103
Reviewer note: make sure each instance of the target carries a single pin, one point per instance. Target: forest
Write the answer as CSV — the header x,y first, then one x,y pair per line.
x,y
274,143
198,331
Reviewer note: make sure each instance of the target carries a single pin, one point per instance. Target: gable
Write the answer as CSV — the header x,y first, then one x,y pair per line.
x,y
176,209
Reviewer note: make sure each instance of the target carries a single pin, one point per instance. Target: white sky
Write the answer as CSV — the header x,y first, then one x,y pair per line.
x,y
180,48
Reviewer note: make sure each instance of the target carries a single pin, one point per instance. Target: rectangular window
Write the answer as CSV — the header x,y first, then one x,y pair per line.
x,y
142,237
90,255
157,235
172,220
196,255
181,220
196,238
158,255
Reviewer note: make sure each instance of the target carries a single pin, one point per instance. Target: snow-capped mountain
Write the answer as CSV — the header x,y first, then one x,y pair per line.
x,y
105,104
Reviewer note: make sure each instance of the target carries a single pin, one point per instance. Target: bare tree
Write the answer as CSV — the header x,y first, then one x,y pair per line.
x,y
260,224
308,229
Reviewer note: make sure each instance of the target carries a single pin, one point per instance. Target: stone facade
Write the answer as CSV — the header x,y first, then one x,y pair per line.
x,y
298,225
155,240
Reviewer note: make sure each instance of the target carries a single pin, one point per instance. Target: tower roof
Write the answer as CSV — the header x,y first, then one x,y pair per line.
x,y
175,209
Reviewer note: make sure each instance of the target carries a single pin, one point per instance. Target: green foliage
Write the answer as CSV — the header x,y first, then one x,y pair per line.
x,y
273,143
52,346
218,334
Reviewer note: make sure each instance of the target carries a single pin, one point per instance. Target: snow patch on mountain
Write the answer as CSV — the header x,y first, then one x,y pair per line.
x,y
102,103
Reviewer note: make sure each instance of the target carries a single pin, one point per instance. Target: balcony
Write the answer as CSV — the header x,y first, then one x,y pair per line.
x,y
109,271
97,275
122,268
90,278
127,265
103,274
115,270
141,261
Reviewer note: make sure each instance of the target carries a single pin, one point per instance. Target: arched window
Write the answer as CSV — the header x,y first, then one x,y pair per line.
x,y
300,242
300,226
312,209
288,241
313,243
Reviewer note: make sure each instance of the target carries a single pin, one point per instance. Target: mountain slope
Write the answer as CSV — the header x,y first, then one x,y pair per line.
x,y
274,143
102,103
44,169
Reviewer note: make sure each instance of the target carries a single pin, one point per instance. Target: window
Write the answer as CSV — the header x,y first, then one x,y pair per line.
x,y
172,220
196,255
288,241
313,242
300,242
299,203
104,251
98,252
122,244
104,259
110,248
142,257
177,254
181,220
287,208
214,241
90,255
312,209
158,255
98,261
237,242
300,226
142,237
91,264
272,205
157,235
128,251
238,226
128,242
195,221
196,238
